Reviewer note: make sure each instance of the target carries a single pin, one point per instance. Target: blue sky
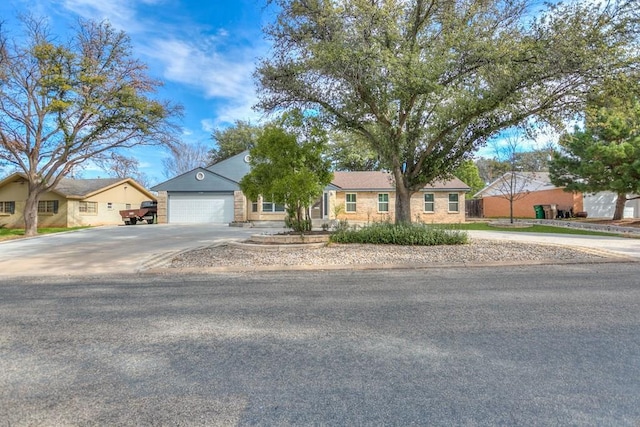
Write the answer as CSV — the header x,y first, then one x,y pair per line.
x,y
204,51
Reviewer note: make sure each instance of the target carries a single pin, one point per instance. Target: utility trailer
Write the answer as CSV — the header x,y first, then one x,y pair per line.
x,y
148,212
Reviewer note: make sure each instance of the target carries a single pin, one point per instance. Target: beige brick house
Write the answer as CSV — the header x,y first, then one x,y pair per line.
x,y
73,203
213,195
363,197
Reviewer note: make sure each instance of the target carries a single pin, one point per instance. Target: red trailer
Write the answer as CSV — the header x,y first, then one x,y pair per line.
x,y
148,212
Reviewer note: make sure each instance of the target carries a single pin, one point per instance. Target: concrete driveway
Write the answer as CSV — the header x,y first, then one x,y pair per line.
x,y
108,250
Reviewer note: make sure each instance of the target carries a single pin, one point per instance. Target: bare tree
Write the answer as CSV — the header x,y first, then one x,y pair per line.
x,y
514,184
120,166
185,157
62,104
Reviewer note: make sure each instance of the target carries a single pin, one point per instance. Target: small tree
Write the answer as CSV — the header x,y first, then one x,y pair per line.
x,y
288,165
513,184
64,104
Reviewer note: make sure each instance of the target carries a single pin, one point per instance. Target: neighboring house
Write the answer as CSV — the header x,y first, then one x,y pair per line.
x,y
213,195
535,188
74,202
603,204
531,189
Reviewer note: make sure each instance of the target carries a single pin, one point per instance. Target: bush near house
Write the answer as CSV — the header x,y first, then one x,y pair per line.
x,y
401,234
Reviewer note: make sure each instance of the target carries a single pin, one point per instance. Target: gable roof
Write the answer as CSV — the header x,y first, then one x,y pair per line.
x,y
72,188
528,182
233,168
383,181
199,179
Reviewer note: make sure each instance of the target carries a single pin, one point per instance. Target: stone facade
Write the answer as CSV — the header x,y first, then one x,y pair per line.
x,y
162,207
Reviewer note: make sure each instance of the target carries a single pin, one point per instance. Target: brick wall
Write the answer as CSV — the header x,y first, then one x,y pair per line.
x,y
498,207
367,208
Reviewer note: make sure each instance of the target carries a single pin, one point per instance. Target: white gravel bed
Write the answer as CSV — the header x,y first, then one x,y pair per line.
x,y
477,251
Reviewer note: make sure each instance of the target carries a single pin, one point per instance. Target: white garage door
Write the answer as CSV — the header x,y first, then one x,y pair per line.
x,y
200,208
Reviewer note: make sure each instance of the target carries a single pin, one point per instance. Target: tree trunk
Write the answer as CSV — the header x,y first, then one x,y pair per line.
x,y
31,213
403,204
511,209
620,202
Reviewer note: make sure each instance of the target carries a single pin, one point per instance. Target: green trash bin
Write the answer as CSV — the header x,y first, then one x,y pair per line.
x,y
539,211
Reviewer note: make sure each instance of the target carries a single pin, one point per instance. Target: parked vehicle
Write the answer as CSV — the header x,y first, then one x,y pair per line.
x,y
148,212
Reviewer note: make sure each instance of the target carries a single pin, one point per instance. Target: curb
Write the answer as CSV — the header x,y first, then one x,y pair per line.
x,y
163,268
366,267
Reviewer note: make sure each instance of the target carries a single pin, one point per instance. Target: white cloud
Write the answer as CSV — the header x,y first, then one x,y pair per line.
x,y
208,125
120,13
216,74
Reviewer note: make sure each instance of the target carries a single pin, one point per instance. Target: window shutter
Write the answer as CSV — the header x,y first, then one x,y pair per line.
x,y
55,206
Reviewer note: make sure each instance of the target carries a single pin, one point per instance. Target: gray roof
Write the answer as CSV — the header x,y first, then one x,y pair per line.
x,y
233,168
83,187
198,180
383,181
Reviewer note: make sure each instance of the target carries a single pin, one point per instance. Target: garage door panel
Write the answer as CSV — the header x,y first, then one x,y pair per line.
x,y
200,208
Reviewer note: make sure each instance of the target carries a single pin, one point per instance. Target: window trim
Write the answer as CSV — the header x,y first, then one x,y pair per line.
x,y
432,202
380,203
275,208
348,203
7,207
457,203
44,207
87,210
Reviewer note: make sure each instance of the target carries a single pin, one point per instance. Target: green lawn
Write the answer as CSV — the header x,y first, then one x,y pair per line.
x,y
483,226
15,233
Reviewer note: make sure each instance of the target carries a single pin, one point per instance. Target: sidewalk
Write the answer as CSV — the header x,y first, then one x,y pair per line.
x,y
625,246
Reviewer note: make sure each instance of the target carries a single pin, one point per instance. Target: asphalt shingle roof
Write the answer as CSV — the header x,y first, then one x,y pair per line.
x,y
83,187
378,180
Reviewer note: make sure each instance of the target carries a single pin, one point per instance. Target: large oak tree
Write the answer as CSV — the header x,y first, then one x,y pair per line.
x,y
62,104
427,82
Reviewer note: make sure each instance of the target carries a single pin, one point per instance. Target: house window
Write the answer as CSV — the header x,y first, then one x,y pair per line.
x,y
272,207
48,206
429,202
7,207
453,202
254,207
88,207
127,206
350,205
110,206
383,202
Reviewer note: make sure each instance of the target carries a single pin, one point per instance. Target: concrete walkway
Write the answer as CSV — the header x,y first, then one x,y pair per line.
x,y
626,243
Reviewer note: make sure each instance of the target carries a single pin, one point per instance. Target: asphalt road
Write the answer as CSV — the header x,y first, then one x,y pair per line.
x,y
472,346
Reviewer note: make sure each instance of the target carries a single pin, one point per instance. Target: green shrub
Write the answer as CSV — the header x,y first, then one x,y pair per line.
x,y
406,234
299,226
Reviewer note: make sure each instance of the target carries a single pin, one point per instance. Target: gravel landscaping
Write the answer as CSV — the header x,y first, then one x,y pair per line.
x,y
478,251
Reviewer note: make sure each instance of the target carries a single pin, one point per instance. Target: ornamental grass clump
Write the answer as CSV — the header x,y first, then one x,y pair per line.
x,y
401,234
